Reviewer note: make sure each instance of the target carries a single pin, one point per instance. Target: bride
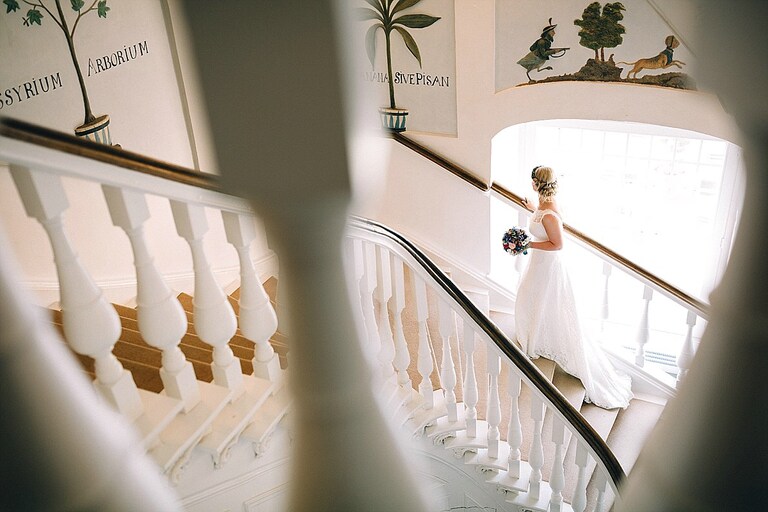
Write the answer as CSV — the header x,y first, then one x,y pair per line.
x,y
545,310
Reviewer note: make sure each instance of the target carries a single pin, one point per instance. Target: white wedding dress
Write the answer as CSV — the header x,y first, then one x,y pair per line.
x,y
548,325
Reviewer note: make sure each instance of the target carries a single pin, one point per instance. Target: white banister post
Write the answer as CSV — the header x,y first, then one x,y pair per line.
x,y
383,296
161,318
447,370
257,318
522,220
470,382
91,324
643,331
493,413
397,305
367,289
215,321
536,456
557,479
605,313
424,363
687,351
601,481
579,501
515,430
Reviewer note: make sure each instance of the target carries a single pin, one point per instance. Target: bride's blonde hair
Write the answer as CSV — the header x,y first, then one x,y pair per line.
x,y
545,182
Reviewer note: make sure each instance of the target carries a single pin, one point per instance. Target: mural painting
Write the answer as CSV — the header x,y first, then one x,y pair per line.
x,y
601,29
93,127
401,22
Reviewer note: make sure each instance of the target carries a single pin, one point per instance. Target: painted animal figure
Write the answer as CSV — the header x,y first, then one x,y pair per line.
x,y
662,61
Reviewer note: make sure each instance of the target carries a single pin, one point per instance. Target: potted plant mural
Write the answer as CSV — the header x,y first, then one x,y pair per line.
x,y
386,15
93,127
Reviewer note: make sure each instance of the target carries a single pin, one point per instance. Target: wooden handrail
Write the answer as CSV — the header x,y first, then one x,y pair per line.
x,y
32,133
701,308
446,164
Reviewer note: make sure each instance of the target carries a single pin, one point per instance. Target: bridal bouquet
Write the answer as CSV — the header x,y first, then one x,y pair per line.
x,y
516,241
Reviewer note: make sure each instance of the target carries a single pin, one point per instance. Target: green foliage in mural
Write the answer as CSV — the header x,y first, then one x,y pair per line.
x,y
35,17
383,13
600,27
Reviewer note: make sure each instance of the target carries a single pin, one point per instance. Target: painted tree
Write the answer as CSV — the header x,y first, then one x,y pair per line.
x,y
600,27
385,14
590,23
35,17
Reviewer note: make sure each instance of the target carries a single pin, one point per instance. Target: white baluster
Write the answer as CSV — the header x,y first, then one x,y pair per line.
x,y
643,331
536,456
557,479
424,364
522,220
367,288
161,318
383,295
258,320
600,484
493,413
515,430
91,324
579,502
397,305
447,370
470,382
215,321
687,351
605,313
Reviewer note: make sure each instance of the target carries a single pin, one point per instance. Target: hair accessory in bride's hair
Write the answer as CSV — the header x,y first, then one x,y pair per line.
x,y
515,241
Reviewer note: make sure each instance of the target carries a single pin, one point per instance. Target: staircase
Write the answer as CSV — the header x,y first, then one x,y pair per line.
x,y
200,391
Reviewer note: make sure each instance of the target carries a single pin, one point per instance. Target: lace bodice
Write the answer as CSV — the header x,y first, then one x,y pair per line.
x,y
535,226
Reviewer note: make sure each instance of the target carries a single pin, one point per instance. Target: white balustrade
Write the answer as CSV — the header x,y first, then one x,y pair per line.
x,y
383,296
215,321
470,382
600,480
536,456
643,330
605,311
91,324
557,478
515,430
397,305
493,412
579,501
161,318
685,357
257,317
367,289
447,369
424,364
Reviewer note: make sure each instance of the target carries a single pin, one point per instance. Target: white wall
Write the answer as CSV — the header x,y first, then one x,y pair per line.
x,y
423,201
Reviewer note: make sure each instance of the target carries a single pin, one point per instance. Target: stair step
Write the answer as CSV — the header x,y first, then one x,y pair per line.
x,y
633,426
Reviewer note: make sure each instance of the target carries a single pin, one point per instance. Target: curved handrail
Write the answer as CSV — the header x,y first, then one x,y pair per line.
x,y
701,308
35,134
505,345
